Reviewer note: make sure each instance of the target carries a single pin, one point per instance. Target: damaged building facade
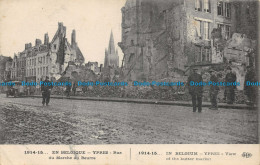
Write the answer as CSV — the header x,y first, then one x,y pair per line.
x,y
162,39
48,58
5,63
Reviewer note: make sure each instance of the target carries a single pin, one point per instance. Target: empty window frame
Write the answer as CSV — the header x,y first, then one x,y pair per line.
x,y
220,7
207,6
198,5
198,26
227,31
206,30
132,43
207,54
227,10
198,53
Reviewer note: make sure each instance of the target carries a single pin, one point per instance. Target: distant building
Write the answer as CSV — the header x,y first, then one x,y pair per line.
x,y
8,69
111,55
4,63
93,66
47,58
18,71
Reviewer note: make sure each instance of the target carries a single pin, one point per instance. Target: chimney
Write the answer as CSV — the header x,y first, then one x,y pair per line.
x,y
26,46
101,67
46,39
73,38
38,42
60,24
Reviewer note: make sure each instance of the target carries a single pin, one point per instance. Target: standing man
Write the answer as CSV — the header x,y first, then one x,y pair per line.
x,y
68,88
74,88
195,91
230,90
249,90
46,91
213,90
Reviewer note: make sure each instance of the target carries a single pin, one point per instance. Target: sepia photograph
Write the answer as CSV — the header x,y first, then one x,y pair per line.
x,y
102,72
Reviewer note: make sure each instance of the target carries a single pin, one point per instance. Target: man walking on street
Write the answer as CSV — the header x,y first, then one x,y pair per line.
x,y
249,90
230,90
213,90
46,91
195,91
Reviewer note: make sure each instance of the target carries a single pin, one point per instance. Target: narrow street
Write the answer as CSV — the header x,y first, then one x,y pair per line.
x,y
25,121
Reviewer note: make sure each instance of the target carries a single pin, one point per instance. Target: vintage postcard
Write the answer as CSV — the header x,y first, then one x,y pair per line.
x,y
129,82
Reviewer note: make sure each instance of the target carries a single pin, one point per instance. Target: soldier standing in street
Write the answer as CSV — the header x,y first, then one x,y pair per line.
x,y
249,90
230,90
213,90
68,88
195,91
46,91
74,87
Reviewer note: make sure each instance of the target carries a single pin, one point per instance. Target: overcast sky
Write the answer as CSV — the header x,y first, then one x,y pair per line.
x,y
22,21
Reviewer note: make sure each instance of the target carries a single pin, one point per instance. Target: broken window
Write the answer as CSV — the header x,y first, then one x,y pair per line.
x,y
227,10
131,58
198,53
132,43
203,56
227,32
220,8
198,28
221,26
206,30
207,6
208,54
198,5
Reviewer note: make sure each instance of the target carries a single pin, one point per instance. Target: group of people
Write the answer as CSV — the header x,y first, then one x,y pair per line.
x,y
68,89
196,92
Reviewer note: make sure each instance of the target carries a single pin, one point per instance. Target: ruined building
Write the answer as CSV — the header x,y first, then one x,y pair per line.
x,y
111,55
4,68
93,66
47,58
62,52
162,39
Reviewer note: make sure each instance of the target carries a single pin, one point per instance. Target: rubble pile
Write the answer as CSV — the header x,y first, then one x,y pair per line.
x,y
174,93
163,93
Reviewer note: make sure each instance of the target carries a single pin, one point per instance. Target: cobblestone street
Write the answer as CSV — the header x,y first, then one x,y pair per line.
x,y
25,121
